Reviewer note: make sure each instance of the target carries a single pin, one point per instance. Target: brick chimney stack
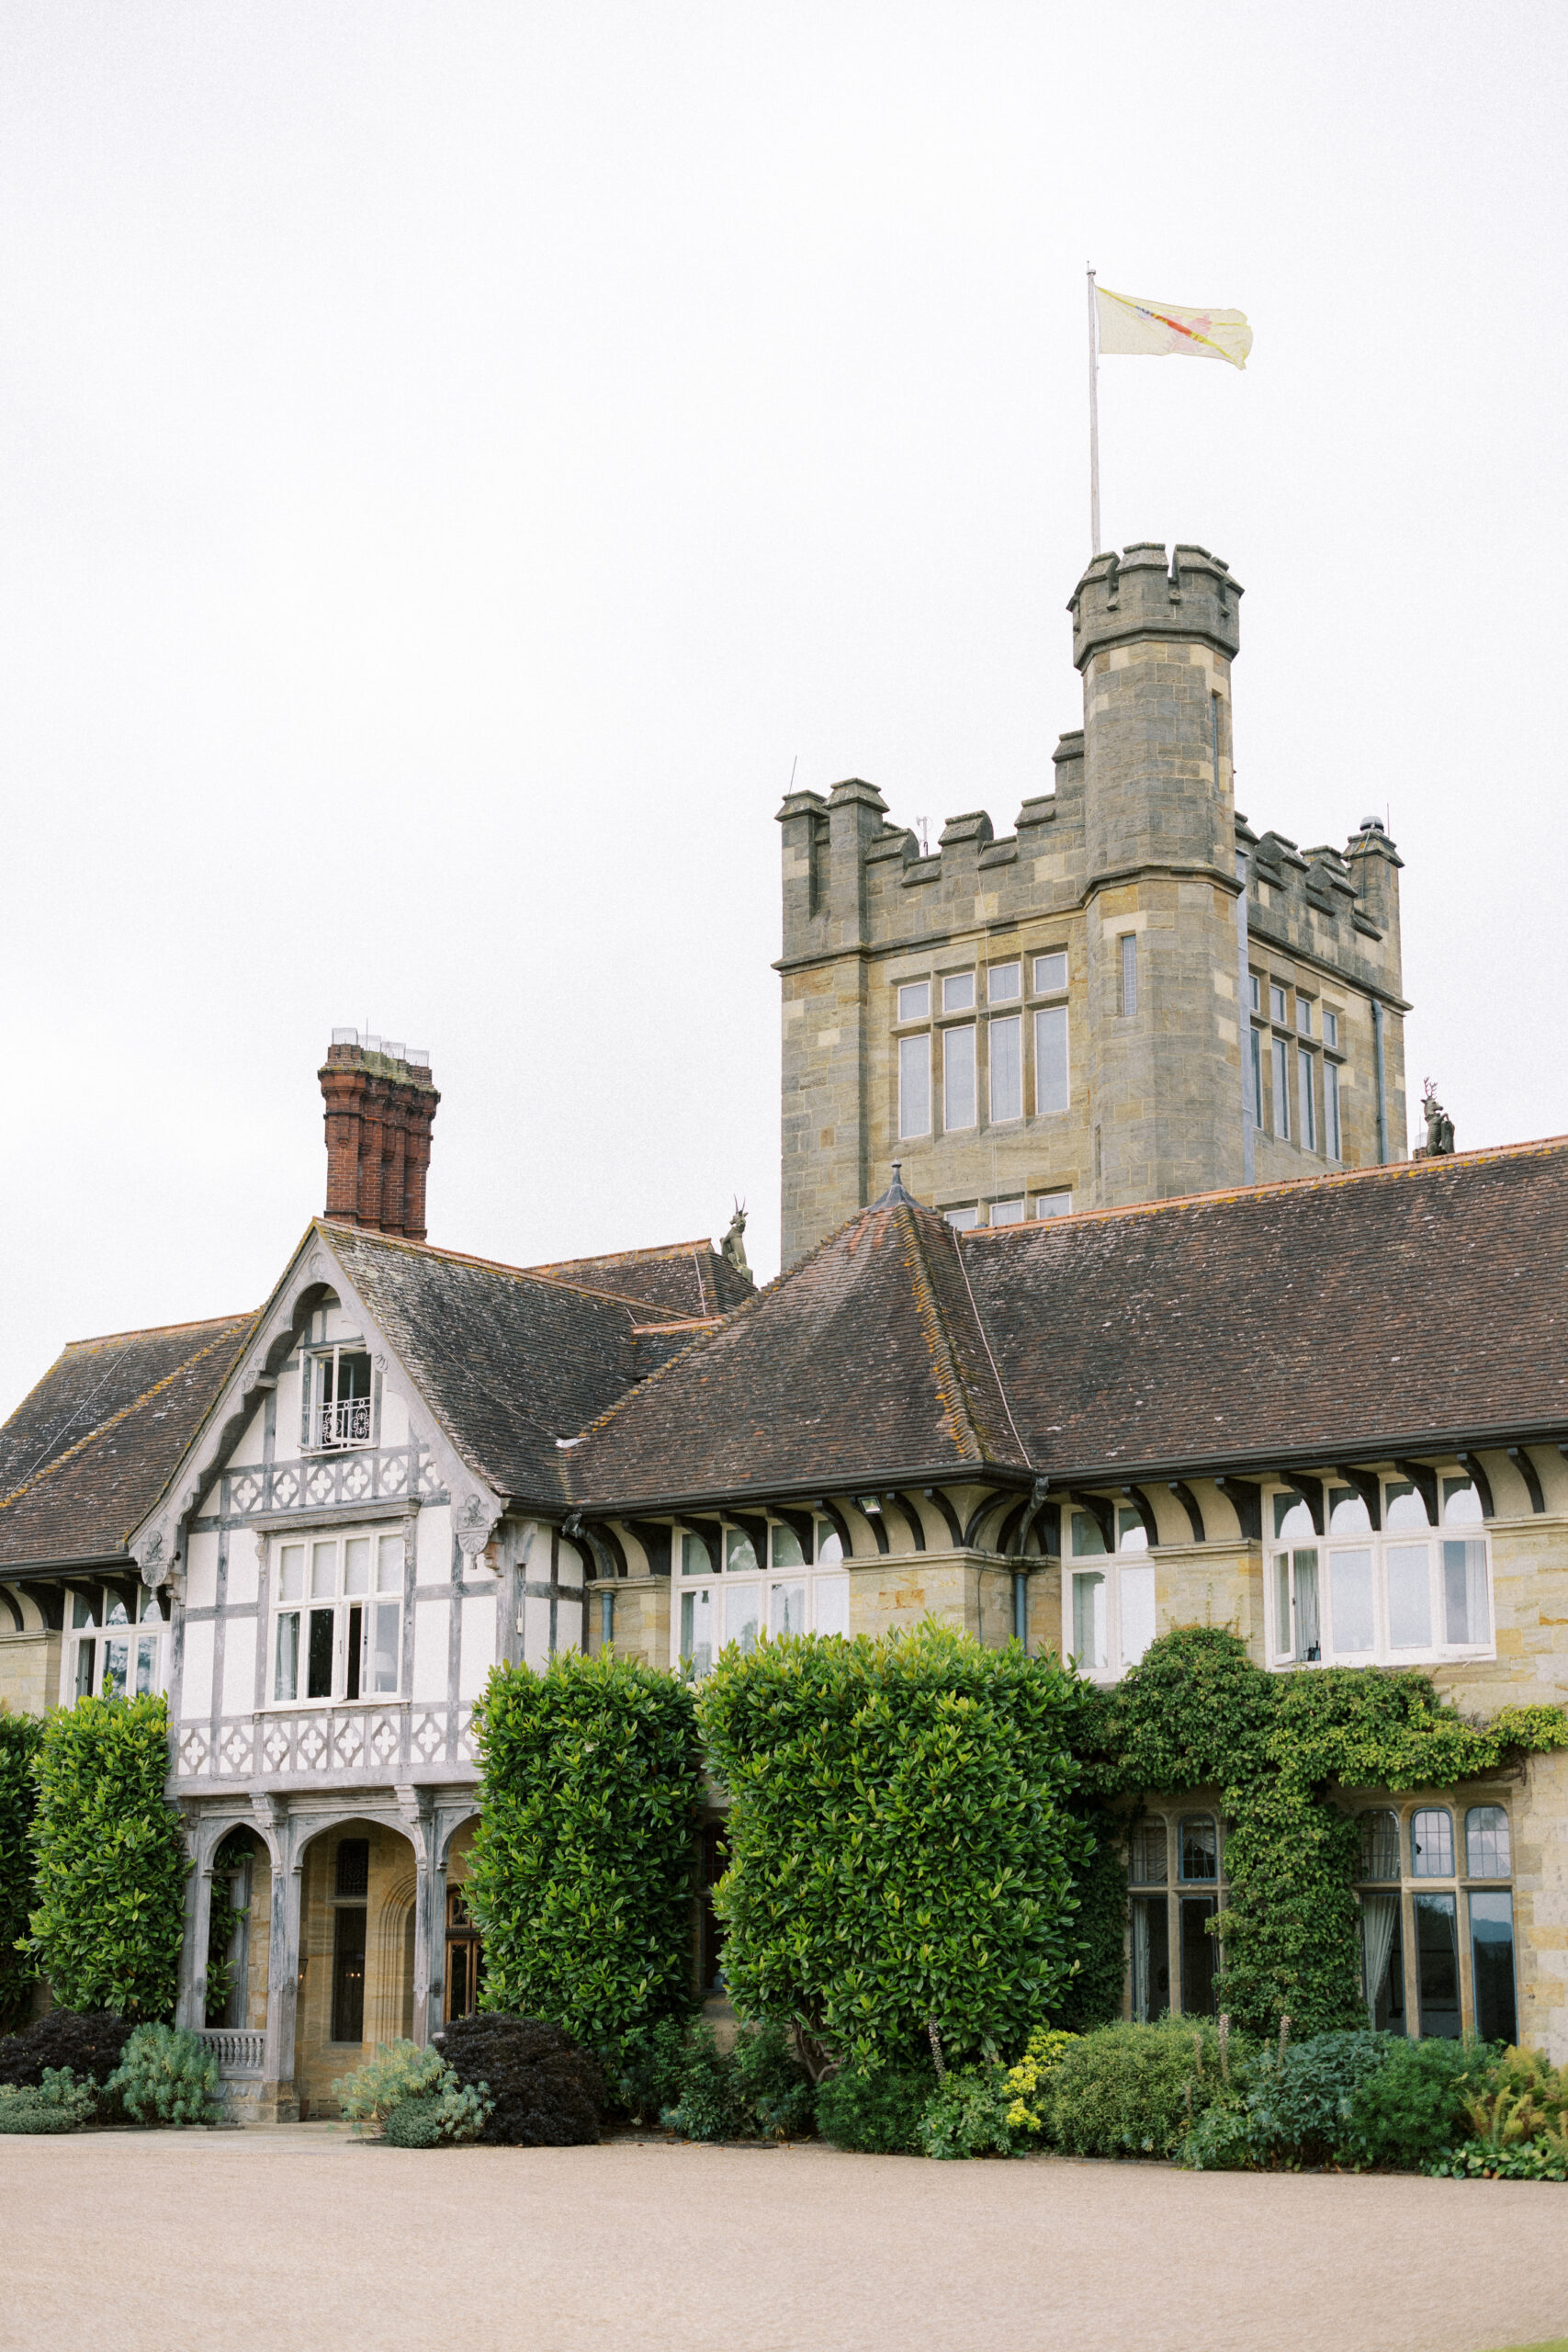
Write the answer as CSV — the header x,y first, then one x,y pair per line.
x,y
380,1103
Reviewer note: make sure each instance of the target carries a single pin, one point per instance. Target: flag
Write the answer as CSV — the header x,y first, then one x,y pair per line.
x,y
1155,329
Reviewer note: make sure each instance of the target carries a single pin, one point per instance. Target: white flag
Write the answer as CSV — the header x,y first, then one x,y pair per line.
x,y
1158,329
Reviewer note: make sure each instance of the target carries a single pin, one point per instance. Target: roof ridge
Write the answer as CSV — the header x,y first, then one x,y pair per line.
x,y
1392,1171
618,1257
36,1477
487,1265
951,1387
152,1331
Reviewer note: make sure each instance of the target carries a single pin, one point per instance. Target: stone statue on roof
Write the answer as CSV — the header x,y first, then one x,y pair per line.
x,y
732,1247
1439,1126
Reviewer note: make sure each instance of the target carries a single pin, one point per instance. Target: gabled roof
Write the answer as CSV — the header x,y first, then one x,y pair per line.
x,y
1370,1312
509,1358
1407,1308
684,1278
89,1451
865,1358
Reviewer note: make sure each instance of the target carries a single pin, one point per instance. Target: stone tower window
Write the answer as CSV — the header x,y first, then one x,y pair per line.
x,y
1127,997
915,1086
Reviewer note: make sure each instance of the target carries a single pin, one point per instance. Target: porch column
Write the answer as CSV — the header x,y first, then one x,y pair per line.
x,y
416,1806
191,2010
283,1963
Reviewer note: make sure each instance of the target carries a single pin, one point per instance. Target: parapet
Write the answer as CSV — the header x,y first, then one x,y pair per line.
x,y
1139,593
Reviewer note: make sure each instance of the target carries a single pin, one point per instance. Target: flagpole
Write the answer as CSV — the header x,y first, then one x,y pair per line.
x,y
1093,427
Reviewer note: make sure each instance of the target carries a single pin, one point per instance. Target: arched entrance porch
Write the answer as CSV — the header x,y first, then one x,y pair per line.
x,y
355,1983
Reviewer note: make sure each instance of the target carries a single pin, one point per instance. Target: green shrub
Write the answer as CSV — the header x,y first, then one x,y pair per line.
x,y
414,2123
402,2088
1414,2107
60,2103
1526,2160
399,2071
878,2114
20,1736
966,2115
167,2077
1029,2082
1223,2138
711,2105
1092,1996
1135,2090
111,1866
901,1848
643,2069
1301,2105
582,1869
777,2093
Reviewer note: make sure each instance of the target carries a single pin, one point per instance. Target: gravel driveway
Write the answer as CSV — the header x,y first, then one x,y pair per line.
x,y
295,2238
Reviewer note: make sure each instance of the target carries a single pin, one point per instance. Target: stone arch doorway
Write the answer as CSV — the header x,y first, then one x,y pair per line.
x,y
463,1973
356,1954
236,1975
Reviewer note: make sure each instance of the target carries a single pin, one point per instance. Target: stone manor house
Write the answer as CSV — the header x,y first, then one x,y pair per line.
x,y
1154,1324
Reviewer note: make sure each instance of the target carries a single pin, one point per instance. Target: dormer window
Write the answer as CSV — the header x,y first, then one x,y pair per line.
x,y
339,1400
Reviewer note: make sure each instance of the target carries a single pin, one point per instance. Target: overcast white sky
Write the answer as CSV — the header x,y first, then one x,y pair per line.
x,y
455,460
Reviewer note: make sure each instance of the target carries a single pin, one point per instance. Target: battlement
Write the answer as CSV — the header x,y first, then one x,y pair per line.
x,y
1139,593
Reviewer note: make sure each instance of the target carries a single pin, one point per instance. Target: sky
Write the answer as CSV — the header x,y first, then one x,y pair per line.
x,y
457,464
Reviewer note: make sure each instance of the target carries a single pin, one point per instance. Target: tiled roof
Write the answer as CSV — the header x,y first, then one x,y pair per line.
x,y
683,1278
510,1358
1392,1306
866,1356
87,1453
1370,1313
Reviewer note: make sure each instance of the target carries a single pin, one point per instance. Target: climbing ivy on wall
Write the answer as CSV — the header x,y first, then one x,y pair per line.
x,y
19,1738
1197,1713
108,1917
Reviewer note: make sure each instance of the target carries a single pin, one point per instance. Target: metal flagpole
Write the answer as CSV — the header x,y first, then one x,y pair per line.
x,y
1093,425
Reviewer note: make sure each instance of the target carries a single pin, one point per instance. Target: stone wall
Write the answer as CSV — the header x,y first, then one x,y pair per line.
x,y
29,1671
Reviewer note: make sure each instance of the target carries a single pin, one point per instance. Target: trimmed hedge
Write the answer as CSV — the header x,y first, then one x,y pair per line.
x,y
20,1736
582,1872
902,1850
111,1865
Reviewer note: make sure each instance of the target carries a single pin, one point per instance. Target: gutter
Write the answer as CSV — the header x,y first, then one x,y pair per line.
x,y
1493,1436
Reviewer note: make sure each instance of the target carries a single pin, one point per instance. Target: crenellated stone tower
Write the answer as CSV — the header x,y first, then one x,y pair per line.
x,y
1131,996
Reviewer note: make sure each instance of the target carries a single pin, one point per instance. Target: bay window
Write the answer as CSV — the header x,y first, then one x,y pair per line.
x,y
1360,1596
1110,1612
1423,1908
1171,1913
337,1620
116,1643
732,1588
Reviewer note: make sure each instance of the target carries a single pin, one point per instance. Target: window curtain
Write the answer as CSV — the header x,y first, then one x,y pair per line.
x,y
1308,1641
1379,1916
1141,1962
